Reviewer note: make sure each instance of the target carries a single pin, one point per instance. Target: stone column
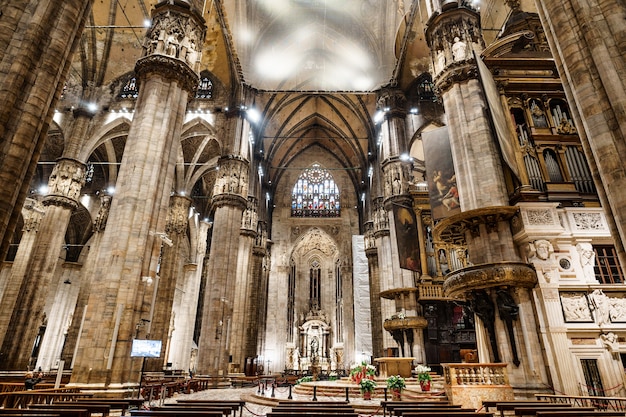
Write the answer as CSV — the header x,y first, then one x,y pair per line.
x,y
229,202
262,257
173,253
37,41
33,213
376,317
186,304
124,278
587,42
64,185
99,223
243,303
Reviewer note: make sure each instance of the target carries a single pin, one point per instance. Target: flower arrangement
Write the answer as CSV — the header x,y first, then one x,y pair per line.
x,y
423,373
362,371
304,379
332,376
367,385
396,383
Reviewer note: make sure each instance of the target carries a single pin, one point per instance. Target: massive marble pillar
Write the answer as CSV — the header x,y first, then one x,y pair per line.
x,y
186,300
29,315
405,321
492,284
221,290
173,254
37,40
243,302
587,40
376,318
78,315
125,276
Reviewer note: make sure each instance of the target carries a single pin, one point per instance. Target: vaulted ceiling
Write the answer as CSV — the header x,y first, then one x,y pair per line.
x,y
314,65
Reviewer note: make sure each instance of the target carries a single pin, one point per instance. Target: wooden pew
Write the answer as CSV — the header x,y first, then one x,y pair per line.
x,y
391,405
175,412
122,404
400,411
311,403
225,410
577,413
61,412
430,413
532,411
103,409
503,406
236,404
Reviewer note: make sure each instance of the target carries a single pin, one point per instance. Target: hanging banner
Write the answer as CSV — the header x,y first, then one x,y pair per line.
x,y
442,189
406,237
498,116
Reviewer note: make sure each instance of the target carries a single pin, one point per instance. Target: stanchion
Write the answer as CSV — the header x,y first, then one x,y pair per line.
x,y
273,386
258,391
385,389
347,394
315,393
290,397
262,388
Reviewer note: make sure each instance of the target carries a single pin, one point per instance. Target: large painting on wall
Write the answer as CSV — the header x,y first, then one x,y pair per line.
x,y
442,188
406,237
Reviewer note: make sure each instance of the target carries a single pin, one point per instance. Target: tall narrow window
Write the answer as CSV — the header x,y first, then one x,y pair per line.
x,y
339,305
291,301
607,268
593,381
315,291
315,194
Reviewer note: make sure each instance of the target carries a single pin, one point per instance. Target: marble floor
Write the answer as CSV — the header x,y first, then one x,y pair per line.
x,y
259,403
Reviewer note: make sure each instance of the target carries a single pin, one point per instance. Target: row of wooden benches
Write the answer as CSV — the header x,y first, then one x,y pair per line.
x,y
104,406
546,409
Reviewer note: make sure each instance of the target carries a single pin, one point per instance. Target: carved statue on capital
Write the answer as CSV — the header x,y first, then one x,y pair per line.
x,y
176,33
66,181
178,215
32,212
100,221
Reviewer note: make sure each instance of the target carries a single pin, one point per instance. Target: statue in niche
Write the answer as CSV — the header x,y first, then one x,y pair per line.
x,y
295,358
459,50
587,258
537,114
601,304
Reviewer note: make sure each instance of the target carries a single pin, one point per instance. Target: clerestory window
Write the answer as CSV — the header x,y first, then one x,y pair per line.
x,y
315,194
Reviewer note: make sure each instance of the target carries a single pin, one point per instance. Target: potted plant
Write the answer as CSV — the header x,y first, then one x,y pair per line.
x,y
367,386
362,371
396,384
423,376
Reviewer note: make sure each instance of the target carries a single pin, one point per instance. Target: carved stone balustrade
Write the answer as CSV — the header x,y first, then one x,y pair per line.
x,y
468,384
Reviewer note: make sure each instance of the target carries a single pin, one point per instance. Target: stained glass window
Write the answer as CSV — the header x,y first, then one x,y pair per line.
x,y
315,194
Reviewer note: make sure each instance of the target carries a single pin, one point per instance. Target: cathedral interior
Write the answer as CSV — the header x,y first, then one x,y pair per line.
x,y
249,187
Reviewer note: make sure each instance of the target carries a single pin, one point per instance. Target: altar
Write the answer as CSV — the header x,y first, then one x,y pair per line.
x,y
394,366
